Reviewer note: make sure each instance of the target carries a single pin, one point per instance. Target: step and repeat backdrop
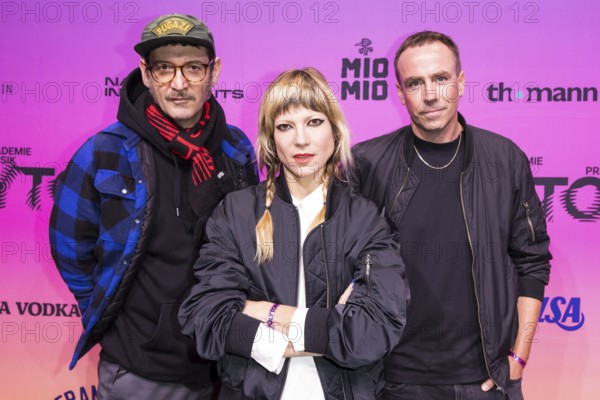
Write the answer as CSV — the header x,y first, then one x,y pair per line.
x,y
532,74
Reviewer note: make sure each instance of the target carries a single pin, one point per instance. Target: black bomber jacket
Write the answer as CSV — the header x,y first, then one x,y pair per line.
x,y
354,242
505,224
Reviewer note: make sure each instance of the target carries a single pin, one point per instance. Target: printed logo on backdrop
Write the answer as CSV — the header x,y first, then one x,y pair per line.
x,y
53,92
364,77
37,309
531,92
7,88
563,312
113,84
23,173
580,200
83,393
45,323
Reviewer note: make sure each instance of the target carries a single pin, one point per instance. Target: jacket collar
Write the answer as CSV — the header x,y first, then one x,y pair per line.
x,y
130,137
334,193
408,149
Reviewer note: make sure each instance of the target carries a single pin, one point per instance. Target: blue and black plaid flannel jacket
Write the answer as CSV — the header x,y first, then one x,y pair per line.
x,y
99,209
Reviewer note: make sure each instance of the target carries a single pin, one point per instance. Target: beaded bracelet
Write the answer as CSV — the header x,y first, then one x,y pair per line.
x,y
271,315
517,358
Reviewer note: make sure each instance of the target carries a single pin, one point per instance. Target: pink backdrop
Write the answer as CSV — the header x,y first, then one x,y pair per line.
x,y
62,63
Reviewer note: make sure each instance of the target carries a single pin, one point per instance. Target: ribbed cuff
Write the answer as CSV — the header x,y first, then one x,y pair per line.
x,y
240,336
316,335
531,287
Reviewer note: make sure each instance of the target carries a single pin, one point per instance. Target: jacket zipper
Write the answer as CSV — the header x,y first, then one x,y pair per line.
x,y
343,385
287,362
462,202
300,253
326,265
528,213
368,272
400,191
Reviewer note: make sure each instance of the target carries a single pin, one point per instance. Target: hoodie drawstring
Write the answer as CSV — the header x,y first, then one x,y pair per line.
x,y
177,185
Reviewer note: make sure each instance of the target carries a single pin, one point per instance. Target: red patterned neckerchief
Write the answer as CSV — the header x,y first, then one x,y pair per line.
x,y
186,143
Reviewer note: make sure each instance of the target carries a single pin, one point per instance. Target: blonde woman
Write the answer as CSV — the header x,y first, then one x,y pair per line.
x,y
300,288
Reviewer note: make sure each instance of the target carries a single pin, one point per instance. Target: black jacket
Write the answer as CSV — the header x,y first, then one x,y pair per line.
x,y
353,337
503,216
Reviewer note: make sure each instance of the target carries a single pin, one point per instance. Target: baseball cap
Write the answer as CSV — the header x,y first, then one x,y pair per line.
x,y
175,28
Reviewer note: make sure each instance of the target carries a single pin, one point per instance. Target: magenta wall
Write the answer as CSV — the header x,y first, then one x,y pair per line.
x,y
60,60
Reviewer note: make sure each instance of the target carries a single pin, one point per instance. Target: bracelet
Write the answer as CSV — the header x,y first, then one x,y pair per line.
x,y
271,315
517,358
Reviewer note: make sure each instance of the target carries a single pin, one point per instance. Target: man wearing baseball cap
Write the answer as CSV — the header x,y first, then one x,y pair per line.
x,y
130,211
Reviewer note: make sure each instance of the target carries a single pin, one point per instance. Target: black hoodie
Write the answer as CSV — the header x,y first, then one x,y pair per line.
x,y
145,338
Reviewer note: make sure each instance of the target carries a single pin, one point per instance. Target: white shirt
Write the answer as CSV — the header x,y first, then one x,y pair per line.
x,y
302,381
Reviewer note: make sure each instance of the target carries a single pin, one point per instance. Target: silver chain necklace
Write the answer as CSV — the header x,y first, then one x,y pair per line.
x,y
449,162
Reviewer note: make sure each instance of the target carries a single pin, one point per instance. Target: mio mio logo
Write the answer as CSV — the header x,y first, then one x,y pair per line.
x,y
566,313
364,78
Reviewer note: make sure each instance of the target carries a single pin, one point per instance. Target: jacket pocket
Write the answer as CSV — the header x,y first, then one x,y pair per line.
x,y
167,331
535,222
117,203
167,346
529,221
112,183
514,390
368,274
171,356
395,388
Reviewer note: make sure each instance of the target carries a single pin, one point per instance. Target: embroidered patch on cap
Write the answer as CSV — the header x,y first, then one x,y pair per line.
x,y
173,25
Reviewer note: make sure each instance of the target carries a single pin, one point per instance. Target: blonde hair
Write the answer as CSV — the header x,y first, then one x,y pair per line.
x,y
297,88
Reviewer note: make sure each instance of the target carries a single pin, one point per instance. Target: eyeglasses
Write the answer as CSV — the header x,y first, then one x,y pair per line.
x,y
193,72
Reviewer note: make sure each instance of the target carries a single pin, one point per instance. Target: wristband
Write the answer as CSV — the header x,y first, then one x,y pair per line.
x,y
517,358
271,315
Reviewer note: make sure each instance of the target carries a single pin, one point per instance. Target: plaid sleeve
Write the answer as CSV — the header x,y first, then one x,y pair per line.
x,y
74,224
242,151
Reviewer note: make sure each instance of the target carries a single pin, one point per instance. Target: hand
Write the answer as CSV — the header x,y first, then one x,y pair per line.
x,y
516,372
290,352
516,369
346,294
487,385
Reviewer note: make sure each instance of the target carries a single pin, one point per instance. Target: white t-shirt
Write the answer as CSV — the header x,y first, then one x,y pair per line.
x,y
302,381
